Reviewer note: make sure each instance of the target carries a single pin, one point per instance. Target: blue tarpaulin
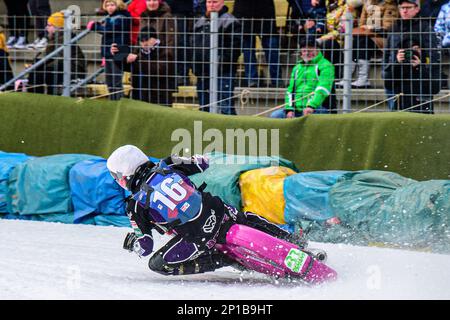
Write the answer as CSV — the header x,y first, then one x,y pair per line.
x,y
94,191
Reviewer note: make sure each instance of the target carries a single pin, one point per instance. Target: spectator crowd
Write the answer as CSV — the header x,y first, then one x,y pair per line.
x,y
161,42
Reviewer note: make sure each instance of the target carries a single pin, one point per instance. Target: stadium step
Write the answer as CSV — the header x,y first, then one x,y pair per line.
x,y
97,90
186,106
186,92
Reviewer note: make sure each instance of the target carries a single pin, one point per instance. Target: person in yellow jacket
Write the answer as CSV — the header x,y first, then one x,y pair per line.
x,y
6,73
310,85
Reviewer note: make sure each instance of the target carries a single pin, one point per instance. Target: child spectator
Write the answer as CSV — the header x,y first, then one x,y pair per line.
x,y
315,23
116,31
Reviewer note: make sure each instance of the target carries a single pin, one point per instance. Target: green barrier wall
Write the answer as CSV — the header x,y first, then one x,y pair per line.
x,y
413,145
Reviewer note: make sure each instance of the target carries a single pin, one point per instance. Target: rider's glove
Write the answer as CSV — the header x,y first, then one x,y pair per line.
x,y
142,246
128,243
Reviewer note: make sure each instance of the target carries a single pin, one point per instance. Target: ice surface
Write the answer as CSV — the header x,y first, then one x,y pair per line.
x,y
41,260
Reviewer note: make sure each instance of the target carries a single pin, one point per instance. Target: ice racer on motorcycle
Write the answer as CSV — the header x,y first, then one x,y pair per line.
x,y
164,199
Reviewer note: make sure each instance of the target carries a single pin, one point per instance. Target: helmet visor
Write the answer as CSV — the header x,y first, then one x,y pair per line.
x,y
121,179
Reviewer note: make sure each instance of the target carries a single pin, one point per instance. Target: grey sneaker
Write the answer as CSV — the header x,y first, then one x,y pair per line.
x,y
21,43
11,42
33,44
41,44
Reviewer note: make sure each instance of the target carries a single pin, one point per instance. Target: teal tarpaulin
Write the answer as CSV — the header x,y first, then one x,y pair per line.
x,y
378,207
41,185
7,163
306,195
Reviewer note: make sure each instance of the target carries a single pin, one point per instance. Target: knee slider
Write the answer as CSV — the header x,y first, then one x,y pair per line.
x,y
159,265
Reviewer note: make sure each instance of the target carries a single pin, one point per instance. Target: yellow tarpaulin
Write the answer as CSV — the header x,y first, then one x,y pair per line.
x,y
262,192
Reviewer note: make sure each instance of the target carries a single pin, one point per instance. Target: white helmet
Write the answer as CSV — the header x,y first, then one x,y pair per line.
x,y
123,162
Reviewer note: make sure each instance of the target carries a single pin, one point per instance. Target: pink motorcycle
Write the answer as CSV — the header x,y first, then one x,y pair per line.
x,y
258,251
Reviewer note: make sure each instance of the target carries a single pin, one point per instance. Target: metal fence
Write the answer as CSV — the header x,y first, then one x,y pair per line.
x,y
226,65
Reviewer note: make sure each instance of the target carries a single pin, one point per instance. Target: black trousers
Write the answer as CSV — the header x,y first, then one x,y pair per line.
x,y
333,52
18,14
6,73
40,11
49,75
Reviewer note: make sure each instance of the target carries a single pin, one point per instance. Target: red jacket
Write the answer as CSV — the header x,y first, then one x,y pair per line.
x,y
136,8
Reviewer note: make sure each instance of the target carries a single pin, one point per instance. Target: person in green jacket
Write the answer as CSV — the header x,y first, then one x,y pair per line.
x,y
311,83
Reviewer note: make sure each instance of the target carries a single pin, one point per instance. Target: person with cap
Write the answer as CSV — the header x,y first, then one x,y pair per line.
x,y
164,199
51,73
416,78
152,70
311,83
412,27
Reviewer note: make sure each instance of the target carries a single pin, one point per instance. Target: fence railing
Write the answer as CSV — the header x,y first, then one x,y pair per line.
x,y
230,65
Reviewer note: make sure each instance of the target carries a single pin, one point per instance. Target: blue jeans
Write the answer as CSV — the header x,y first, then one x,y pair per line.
x,y
271,45
226,89
281,114
391,103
